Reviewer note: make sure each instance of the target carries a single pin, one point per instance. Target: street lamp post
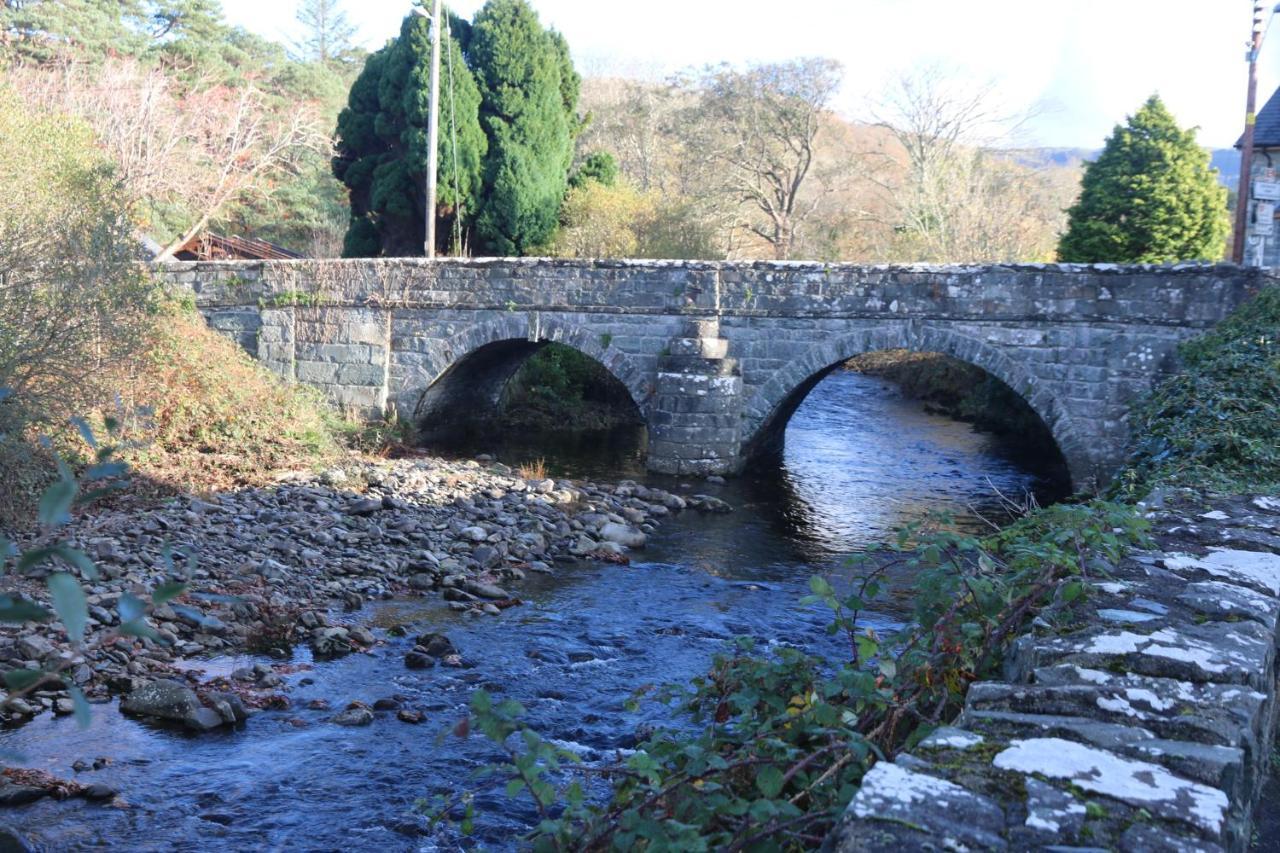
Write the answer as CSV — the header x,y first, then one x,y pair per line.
x,y
433,128
1250,121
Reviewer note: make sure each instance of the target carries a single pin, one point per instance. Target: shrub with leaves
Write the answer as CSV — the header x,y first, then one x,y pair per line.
x,y
775,744
73,300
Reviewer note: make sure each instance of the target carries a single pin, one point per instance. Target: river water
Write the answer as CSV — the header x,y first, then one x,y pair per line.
x,y
859,462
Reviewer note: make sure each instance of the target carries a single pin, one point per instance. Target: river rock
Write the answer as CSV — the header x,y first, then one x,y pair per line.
x,y
18,795
436,645
35,647
707,503
419,659
622,534
164,699
362,635
482,589
357,715
331,642
364,507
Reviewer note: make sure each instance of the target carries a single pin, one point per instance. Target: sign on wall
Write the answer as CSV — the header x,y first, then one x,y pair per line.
x,y
1266,190
1264,218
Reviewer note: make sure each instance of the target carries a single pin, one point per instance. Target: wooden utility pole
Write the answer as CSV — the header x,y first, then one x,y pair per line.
x,y
1250,121
433,129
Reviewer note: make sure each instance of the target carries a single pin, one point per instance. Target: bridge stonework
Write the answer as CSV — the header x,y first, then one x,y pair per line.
x,y
716,355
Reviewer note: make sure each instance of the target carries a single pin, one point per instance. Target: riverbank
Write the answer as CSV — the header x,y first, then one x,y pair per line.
x,y
271,567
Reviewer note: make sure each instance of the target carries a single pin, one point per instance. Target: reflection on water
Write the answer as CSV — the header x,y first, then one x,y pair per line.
x,y
859,461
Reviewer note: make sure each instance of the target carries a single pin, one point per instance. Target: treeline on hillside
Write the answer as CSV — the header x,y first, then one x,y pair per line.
x,y
716,163
322,149
728,163
207,125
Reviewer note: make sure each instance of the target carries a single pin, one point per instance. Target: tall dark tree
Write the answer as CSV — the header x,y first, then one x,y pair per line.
x,y
529,94
1150,197
327,34
382,145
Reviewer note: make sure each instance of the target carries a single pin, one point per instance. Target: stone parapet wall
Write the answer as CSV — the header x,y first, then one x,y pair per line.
x,y
1147,727
1181,295
1079,343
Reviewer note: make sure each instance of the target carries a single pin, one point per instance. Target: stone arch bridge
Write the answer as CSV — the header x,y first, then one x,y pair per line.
x,y
716,355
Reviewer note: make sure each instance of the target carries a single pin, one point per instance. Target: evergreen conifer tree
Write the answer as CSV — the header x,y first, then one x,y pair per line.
x,y
382,145
1150,197
529,94
327,33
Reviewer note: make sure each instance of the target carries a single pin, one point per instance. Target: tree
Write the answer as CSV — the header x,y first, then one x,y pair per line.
x,y
73,301
599,166
1150,197
758,129
328,34
382,145
43,30
529,98
954,195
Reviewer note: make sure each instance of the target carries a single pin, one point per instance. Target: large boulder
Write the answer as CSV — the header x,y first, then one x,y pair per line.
x,y
175,702
164,700
623,534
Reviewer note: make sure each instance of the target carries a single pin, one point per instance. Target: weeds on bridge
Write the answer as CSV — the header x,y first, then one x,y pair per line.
x,y
777,742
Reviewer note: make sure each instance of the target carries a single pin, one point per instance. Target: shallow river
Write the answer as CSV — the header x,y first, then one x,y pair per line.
x,y
859,462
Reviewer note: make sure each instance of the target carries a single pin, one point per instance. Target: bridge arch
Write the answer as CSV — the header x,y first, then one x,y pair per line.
x,y
775,401
467,373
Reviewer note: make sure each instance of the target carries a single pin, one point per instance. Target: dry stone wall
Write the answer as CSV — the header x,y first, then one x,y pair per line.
x,y
1147,727
716,355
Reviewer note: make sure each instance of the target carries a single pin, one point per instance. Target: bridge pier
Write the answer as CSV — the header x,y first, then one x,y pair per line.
x,y
695,417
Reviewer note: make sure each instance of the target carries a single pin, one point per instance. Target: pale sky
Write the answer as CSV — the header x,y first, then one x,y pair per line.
x,y
1083,64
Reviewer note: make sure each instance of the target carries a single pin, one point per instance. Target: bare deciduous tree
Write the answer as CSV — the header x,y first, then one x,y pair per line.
x,y
958,197
195,151
756,132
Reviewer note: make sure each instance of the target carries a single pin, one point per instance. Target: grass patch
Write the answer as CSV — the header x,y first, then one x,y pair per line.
x,y
195,414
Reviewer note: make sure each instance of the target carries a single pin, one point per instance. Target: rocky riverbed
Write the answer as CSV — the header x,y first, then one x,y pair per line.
x,y
271,568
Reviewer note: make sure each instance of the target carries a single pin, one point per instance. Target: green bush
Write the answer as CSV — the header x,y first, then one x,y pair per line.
x,y
1216,424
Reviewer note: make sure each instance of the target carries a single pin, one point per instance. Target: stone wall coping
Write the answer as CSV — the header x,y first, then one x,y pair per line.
x,y
1208,268
1146,723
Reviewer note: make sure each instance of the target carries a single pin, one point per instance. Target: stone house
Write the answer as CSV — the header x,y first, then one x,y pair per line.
x,y
1262,237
